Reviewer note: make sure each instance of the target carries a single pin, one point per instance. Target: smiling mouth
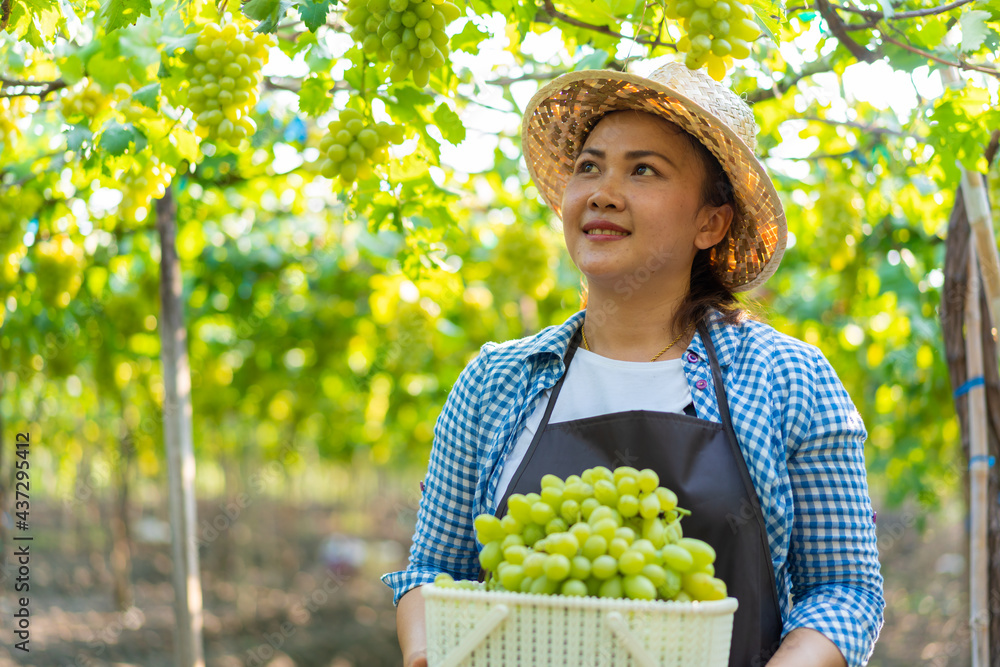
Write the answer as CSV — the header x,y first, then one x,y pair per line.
x,y
606,232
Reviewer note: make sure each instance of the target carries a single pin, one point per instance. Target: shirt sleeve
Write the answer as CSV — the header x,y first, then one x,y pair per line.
x,y
444,540
833,559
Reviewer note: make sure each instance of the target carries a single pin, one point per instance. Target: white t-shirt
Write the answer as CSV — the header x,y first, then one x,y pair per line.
x,y
596,385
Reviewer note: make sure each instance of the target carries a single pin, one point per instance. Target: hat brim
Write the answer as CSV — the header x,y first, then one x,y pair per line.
x,y
562,113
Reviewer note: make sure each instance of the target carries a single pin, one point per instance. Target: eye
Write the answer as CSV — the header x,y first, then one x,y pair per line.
x,y
645,170
586,167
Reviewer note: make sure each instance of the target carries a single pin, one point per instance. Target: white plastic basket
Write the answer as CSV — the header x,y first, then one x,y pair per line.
x,y
477,628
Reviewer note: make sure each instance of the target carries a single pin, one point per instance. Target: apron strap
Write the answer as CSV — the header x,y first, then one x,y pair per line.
x,y
720,387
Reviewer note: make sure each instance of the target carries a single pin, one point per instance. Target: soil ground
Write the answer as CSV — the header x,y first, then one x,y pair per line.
x,y
271,600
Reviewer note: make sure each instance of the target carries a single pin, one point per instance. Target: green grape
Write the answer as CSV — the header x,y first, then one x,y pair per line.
x,y
579,567
611,588
605,528
588,506
740,49
542,513
544,586
515,553
617,547
491,555
534,564
701,552
604,566
628,505
557,567
533,533
655,573
552,495
574,587
510,525
581,531
631,562
638,587
649,506
512,577
488,528
555,525
595,546
701,586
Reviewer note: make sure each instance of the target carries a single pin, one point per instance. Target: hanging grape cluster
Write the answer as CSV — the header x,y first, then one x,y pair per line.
x,y
84,104
602,533
224,71
718,31
408,33
131,111
145,181
351,147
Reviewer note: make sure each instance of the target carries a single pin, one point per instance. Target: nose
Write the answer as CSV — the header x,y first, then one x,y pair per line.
x,y
605,197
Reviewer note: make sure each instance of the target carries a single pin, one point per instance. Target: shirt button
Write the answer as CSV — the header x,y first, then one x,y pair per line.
x,y
692,358
701,384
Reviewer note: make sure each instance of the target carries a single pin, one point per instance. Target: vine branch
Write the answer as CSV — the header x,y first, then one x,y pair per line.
x,y
839,29
786,84
551,10
870,129
961,64
47,87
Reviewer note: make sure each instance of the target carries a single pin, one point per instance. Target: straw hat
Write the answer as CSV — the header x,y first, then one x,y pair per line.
x,y
561,115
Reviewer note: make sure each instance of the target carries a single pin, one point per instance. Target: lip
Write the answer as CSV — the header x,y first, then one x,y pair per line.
x,y
604,224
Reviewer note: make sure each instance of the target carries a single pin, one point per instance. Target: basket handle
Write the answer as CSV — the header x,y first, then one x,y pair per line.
x,y
619,629
476,636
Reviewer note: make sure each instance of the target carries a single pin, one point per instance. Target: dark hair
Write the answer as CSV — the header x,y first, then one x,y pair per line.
x,y
707,291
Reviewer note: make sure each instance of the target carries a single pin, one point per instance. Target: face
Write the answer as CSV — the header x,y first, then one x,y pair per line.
x,y
634,200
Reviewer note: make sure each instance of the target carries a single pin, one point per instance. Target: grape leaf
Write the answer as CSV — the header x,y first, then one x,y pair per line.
x,y
116,138
991,6
268,12
450,124
173,44
974,29
770,14
148,96
595,60
314,95
313,13
468,40
77,136
121,13
71,68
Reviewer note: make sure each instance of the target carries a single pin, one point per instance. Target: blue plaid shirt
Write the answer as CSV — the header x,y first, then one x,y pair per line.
x,y
801,436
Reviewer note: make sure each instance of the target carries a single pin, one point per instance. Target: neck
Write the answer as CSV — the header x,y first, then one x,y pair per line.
x,y
634,322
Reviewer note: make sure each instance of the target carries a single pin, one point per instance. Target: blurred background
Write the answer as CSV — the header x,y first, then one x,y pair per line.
x,y
326,324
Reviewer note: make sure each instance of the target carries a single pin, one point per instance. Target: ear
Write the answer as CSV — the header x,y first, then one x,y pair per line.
x,y
713,223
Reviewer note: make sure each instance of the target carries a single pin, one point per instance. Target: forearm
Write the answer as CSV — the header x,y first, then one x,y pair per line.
x,y
805,647
411,629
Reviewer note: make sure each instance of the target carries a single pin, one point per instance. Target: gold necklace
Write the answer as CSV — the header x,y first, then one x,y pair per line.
x,y
583,330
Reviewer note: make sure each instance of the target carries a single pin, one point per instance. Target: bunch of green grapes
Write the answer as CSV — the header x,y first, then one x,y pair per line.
x,y
602,533
717,32
140,185
11,110
130,110
58,266
224,71
351,147
408,33
84,104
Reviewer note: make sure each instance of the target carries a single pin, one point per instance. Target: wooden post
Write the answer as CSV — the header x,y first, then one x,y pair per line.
x,y
983,240
179,441
978,471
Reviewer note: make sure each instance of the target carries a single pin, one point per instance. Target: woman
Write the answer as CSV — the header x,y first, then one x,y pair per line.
x,y
667,213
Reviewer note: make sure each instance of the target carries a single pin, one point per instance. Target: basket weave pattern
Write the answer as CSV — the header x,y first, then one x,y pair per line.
x,y
556,631
562,114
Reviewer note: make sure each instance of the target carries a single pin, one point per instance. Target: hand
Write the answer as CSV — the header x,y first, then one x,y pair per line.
x,y
416,659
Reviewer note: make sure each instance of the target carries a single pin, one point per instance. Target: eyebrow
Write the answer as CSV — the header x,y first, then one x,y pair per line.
x,y
631,155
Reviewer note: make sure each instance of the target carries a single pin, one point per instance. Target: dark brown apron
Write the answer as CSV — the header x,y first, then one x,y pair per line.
x,y
702,463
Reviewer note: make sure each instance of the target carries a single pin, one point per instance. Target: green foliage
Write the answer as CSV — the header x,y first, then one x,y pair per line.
x,y
335,317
